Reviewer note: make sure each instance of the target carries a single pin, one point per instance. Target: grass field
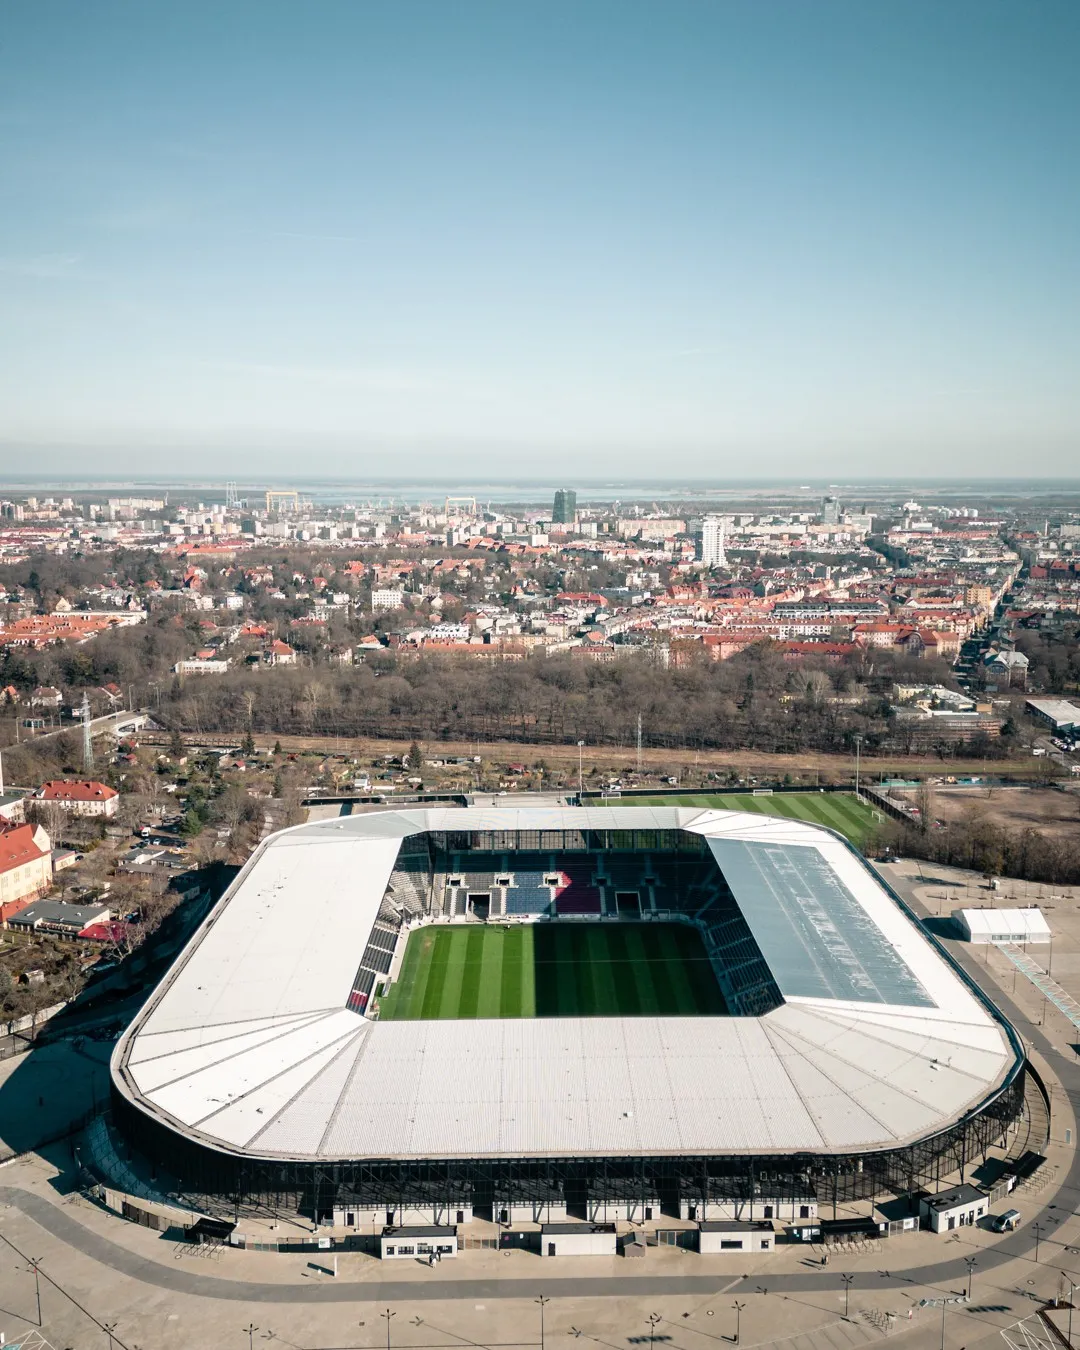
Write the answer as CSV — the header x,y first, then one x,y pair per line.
x,y
554,970
841,811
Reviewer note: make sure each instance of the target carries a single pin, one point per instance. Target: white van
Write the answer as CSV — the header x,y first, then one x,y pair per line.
x,y
1007,1222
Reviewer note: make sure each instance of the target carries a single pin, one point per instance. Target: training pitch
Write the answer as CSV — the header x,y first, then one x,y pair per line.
x,y
840,811
568,969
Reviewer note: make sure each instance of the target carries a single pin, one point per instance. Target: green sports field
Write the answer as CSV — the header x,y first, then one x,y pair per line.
x,y
841,811
554,970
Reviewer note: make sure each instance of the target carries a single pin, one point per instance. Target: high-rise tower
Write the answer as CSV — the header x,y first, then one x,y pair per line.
x,y
711,545
564,512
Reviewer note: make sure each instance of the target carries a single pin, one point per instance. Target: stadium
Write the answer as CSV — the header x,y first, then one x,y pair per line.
x,y
542,1013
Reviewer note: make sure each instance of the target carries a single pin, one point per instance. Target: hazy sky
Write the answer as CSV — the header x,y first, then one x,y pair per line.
x,y
590,237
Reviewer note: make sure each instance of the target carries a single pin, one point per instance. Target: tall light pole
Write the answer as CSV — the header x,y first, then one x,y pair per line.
x,y
543,1301
858,739
847,1293
971,1262
580,771
738,1318
1037,1229
386,1316
108,1328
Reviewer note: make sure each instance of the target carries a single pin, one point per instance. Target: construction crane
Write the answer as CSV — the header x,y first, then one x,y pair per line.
x,y
280,501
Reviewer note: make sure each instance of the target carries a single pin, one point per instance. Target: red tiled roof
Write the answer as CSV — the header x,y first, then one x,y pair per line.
x,y
85,790
17,847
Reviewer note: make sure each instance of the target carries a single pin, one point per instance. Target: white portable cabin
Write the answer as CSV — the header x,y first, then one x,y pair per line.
x,y
959,1207
418,1242
577,1239
721,1236
1020,926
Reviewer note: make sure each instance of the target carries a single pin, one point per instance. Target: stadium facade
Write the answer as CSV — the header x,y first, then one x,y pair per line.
x,y
855,1059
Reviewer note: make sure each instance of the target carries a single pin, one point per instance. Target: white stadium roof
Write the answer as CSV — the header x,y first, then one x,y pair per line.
x,y
248,1044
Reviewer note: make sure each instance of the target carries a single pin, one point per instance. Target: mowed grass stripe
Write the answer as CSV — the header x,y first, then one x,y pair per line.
x,y
528,1006
659,968
600,959
642,972
450,999
403,991
470,984
436,981
511,984
684,960
628,997
491,966
584,970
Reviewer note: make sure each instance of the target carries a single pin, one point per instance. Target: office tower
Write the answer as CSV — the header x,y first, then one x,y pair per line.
x,y
564,512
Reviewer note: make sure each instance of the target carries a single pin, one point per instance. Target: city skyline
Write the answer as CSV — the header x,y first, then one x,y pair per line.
x,y
594,237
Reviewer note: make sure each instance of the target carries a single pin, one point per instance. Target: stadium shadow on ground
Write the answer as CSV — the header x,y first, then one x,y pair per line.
x,y
623,970
554,969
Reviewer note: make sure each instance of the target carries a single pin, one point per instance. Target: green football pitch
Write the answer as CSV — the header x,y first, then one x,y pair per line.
x,y
568,969
841,811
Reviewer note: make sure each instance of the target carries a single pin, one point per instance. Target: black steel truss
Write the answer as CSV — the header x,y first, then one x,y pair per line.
x,y
222,1182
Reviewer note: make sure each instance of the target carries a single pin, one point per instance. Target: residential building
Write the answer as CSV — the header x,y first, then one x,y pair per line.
x,y
281,654
25,868
84,797
12,807
54,916
201,666
711,545
387,597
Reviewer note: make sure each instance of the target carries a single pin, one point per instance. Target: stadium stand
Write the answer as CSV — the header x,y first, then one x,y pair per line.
x,y
528,895
376,961
578,892
409,890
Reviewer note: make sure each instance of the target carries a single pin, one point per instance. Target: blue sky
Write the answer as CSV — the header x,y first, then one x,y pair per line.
x,y
584,238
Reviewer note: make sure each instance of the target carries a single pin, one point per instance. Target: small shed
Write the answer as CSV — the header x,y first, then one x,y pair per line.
x,y
733,1235
418,1242
959,1207
577,1239
1021,926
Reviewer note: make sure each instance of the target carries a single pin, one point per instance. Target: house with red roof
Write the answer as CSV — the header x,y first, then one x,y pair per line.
x,y
25,868
82,797
281,654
